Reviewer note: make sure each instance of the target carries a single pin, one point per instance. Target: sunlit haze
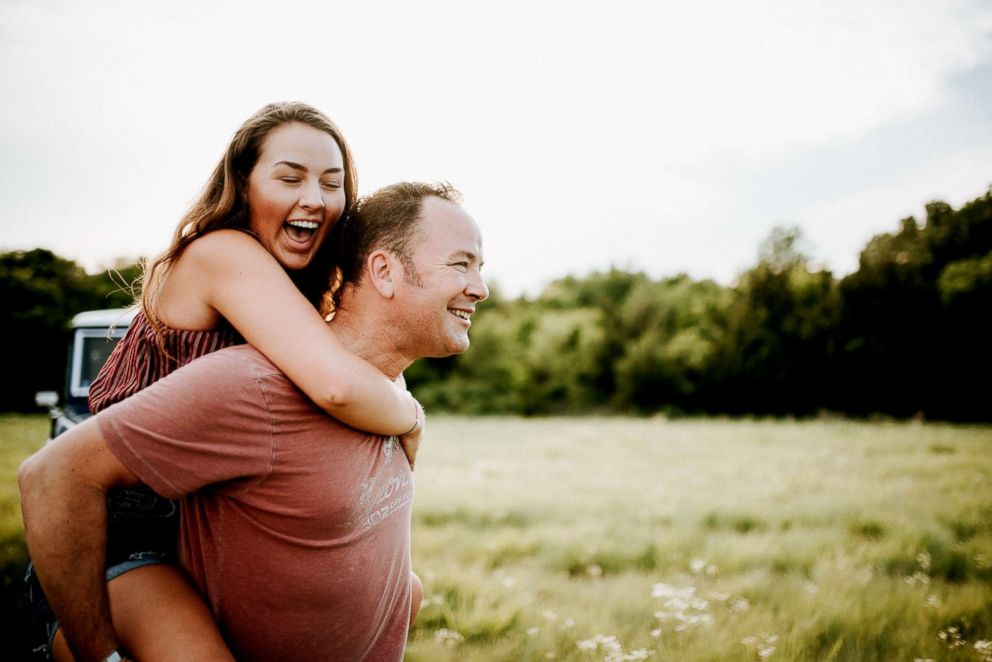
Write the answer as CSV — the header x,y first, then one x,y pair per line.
x,y
664,136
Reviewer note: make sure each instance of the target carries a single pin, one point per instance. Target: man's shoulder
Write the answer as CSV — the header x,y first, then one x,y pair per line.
x,y
239,358
241,368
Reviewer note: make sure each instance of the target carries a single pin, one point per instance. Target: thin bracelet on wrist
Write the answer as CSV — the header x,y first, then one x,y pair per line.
x,y
417,413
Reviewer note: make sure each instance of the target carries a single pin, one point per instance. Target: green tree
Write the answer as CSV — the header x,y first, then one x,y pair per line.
x,y
672,329
41,292
914,332
779,340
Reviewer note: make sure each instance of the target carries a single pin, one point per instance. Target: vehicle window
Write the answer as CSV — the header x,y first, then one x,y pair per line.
x,y
91,349
95,352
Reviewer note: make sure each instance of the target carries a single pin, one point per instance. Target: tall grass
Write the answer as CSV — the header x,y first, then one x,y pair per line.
x,y
583,539
19,437
593,539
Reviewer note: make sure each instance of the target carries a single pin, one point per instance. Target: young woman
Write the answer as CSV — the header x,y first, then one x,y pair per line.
x,y
249,261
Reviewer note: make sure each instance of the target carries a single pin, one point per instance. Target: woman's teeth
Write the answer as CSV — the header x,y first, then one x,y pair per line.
x,y
301,230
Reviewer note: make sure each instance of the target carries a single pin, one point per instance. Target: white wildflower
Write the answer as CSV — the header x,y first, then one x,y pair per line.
x,y
763,644
923,560
448,637
682,605
738,605
661,590
532,631
608,642
610,645
952,637
697,566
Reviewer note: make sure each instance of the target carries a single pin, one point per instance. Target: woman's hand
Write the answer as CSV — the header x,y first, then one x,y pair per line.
x,y
411,444
411,440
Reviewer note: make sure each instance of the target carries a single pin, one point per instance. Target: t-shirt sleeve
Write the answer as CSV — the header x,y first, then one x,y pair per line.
x,y
206,423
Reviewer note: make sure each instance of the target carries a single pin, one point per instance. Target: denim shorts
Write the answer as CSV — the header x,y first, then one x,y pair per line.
x,y
142,529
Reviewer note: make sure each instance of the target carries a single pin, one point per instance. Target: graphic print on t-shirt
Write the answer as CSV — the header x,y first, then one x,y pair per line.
x,y
384,493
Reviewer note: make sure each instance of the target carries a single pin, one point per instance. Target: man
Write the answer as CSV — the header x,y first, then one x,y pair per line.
x,y
296,528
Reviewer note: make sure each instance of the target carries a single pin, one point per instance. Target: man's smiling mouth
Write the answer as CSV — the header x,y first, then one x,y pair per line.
x,y
461,313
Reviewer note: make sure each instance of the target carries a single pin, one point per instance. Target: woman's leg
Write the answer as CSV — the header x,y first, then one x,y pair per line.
x,y
416,596
60,650
158,615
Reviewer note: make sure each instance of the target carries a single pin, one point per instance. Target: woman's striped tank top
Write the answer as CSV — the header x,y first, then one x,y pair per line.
x,y
138,360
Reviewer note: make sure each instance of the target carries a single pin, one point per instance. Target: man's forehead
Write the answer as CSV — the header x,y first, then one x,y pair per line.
x,y
446,226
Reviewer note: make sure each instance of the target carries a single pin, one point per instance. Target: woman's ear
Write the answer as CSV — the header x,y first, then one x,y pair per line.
x,y
381,268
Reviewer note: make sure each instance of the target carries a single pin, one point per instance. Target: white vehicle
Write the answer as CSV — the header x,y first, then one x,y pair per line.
x,y
94,335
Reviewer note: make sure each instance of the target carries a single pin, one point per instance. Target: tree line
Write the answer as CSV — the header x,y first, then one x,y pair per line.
x,y
907,334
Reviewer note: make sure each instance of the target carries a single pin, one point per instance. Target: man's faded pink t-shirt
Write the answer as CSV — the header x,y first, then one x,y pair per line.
x,y
295,526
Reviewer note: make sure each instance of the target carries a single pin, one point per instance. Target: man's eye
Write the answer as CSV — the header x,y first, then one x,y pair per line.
x,y
463,266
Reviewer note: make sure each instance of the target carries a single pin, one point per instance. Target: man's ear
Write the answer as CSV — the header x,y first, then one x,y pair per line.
x,y
382,271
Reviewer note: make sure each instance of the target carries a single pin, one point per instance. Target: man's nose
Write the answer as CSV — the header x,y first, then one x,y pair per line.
x,y
477,288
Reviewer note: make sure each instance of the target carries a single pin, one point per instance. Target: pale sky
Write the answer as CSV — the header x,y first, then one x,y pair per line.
x,y
663,136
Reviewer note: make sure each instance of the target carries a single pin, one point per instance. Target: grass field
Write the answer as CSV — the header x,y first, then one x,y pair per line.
x,y
19,437
593,539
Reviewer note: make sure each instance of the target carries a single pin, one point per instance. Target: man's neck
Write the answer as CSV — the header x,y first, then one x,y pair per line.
x,y
369,341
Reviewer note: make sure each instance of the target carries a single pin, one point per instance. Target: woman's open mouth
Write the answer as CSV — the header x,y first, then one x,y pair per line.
x,y
300,233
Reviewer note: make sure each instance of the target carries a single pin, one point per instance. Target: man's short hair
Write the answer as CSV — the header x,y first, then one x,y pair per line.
x,y
387,220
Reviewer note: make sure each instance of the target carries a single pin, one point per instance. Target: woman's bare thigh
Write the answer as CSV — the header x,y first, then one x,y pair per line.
x,y
159,615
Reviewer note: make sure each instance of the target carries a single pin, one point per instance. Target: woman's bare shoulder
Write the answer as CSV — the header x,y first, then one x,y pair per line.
x,y
222,240
225,248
